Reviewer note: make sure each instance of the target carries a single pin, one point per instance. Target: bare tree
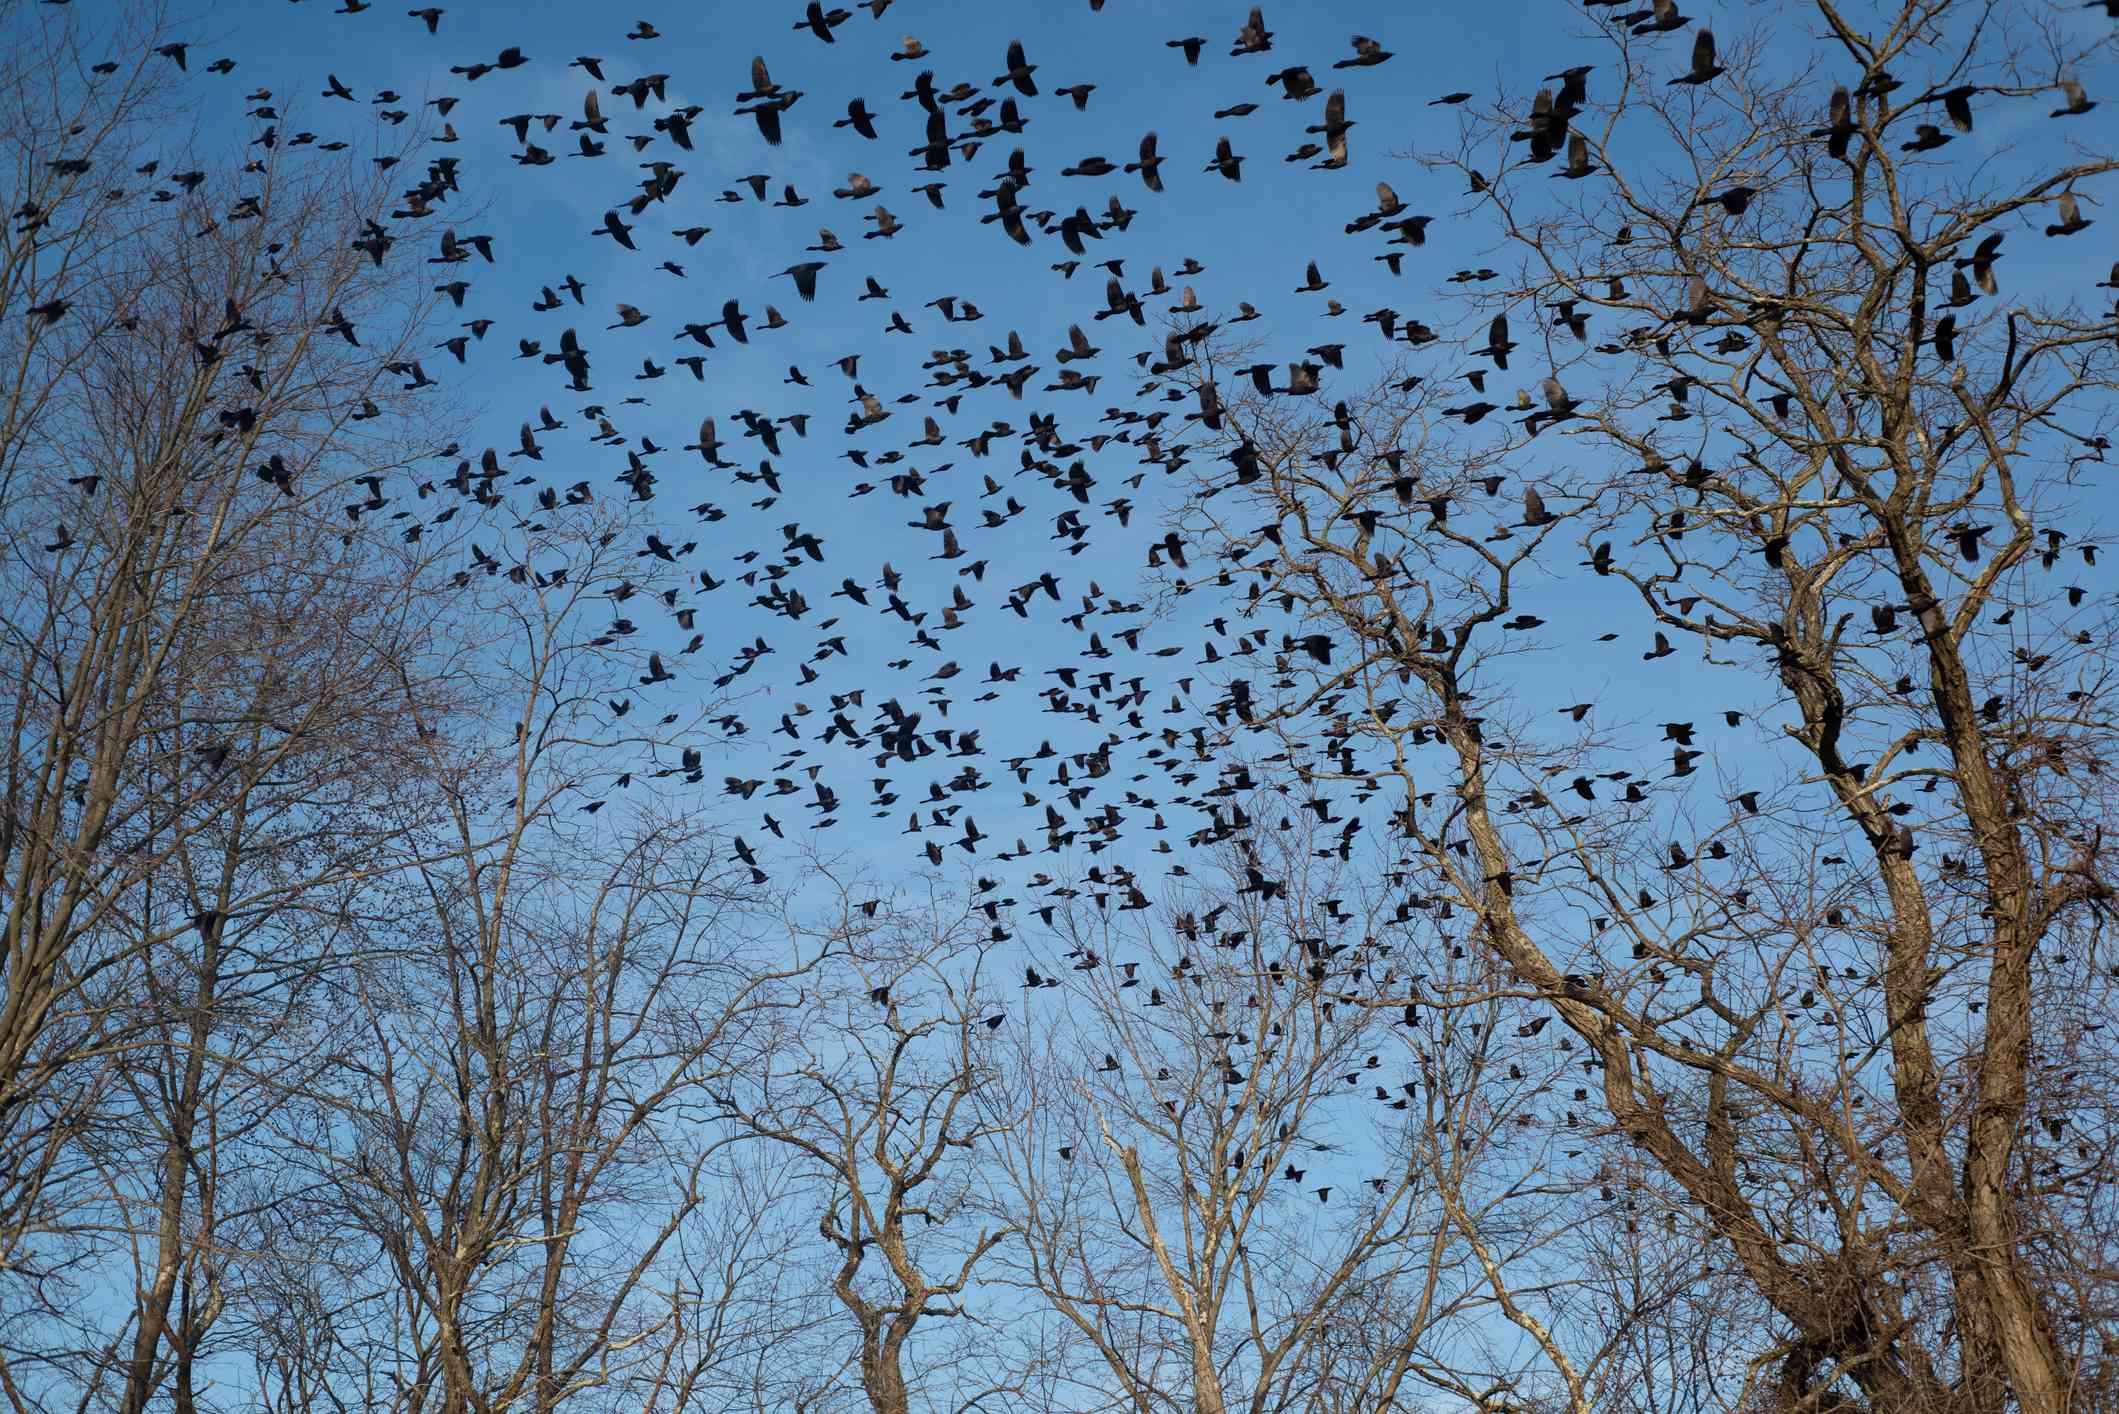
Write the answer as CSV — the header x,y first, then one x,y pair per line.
x,y
735,1314
874,1100
206,664
1834,991
1242,1190
512,1151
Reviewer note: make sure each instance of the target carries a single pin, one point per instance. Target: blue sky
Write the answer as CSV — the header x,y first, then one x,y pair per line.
x,y
1254,239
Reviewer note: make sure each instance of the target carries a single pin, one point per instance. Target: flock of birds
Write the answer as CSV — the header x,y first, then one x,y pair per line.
x,y
974,435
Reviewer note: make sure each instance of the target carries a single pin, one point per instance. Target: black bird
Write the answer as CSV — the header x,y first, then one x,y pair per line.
x,y
859,119
1367,54
1150,164
1957,102
1705,67
1498,343
805,277
1839,126
2077,103
1981,261
1018,71
616,229
2071,217
821,22
1534,511
1661,17
1579,164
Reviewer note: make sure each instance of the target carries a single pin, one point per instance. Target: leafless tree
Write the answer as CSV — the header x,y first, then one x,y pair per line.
x,y
873,1099
1241,1189
1836,991
206,662
511,1198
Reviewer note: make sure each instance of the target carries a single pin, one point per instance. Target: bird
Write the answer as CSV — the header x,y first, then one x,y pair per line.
x,y
1019,71
859,119
821,22
1981,261
1957,103
1840,127
1253,37
1661,17
1705,67
1534,512
1498,345
1559,407
1334,129
2077,103
1579,164
1733,200
1150,164
804,273
616,229
2071,219
1367,54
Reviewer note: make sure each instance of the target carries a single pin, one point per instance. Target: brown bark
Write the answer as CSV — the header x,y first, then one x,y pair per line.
x,y
1842,471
